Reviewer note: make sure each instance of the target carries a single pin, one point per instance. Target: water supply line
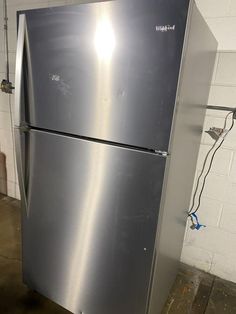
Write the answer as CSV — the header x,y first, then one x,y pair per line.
x,y
6,85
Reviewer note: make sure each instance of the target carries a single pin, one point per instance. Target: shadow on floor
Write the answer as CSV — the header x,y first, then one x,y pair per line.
x,y
3,173
15,297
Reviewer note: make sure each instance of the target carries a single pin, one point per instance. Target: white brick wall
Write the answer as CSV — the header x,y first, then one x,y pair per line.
x,y
213,249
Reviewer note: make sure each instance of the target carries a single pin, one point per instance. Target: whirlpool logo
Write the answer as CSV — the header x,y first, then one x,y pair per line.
x,y
165,28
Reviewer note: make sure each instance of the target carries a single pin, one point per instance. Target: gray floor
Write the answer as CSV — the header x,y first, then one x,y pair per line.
x,y
193,292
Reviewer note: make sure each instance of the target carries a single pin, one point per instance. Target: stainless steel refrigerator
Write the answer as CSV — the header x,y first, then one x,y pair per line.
x,y
109,107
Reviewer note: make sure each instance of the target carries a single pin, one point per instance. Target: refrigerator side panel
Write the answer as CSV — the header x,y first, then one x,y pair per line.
x,y
194,85
89,233
107,70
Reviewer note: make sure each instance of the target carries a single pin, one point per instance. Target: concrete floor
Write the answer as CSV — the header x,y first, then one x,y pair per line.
x,y
194,292
15,298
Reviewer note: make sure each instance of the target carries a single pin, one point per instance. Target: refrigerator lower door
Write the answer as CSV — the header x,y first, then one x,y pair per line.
x,y
90,224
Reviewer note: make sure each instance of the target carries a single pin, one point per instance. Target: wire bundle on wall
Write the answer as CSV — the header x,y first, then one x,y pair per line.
x,y
216,146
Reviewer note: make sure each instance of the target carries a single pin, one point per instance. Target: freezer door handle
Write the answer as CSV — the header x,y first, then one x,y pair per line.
x,y
19,67
21,175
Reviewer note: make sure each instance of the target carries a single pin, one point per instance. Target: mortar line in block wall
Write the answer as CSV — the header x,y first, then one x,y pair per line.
x,y
226,230
214,172
231,162
229,7
216,114
209,145
219,17
216,68
194,263
223,84
211,263
226,50
220,215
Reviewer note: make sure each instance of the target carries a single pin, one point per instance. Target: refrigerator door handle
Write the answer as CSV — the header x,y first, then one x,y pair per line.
x,y
19,126
19,67
21,176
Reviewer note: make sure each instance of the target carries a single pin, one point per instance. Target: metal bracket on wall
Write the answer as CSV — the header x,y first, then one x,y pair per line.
x,y
221,108
6,86
24,128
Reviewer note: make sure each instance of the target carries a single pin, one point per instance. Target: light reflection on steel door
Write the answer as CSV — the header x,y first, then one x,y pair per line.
x,y
107,70
89,236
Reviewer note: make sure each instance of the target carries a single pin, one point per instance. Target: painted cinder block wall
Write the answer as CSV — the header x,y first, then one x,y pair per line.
x,y
212,249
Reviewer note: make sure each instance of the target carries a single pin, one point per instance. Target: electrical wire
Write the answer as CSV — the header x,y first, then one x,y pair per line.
x,y
204,164
6,38
199,177
210,165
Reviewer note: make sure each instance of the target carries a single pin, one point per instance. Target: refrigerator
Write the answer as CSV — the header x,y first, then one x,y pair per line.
x,y
107,129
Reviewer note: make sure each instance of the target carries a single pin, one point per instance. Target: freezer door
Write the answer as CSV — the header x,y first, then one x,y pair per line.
x,y
106,70
90,224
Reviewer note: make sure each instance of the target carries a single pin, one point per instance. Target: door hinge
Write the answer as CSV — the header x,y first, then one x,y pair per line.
x,y
24,128
162,153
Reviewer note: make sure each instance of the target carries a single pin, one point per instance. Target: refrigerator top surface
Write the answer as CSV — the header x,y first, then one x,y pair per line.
x,y
105,70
